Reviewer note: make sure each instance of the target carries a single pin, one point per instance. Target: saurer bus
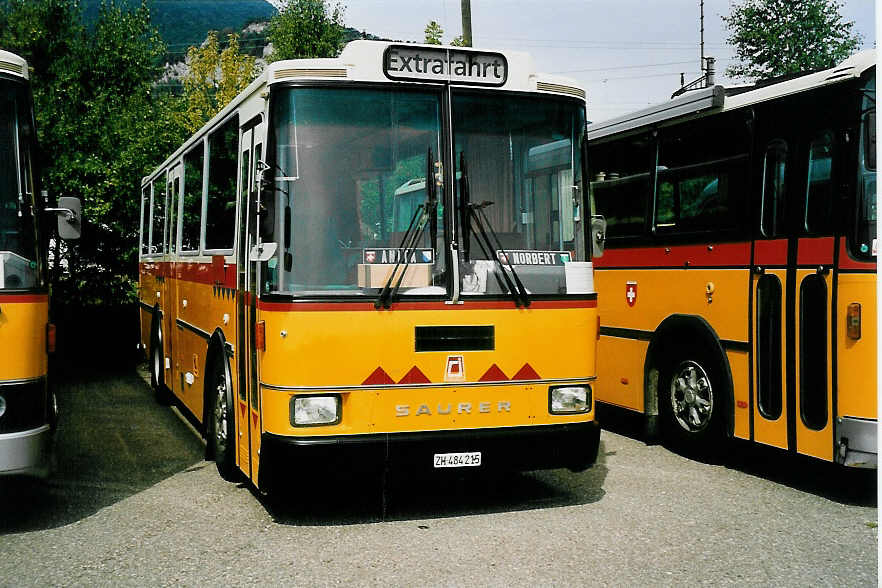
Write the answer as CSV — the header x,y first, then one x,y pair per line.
x,y
28,409
738,284
378,260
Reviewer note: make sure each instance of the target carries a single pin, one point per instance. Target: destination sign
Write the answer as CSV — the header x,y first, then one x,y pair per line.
x,y
534,257
396,255
403,62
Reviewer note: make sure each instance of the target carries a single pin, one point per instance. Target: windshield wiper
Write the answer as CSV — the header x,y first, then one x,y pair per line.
x,y
426,211
474,215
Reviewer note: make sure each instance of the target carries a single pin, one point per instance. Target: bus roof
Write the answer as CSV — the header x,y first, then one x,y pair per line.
x,y
719,99
375,61
363,61
10,63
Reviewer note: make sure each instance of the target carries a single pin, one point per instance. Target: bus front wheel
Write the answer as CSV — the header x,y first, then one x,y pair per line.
x,y
222,423
157,366
691,400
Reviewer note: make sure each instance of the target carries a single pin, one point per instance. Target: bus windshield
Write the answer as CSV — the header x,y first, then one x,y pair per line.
x,y
522,168
19,261
350,174
865,238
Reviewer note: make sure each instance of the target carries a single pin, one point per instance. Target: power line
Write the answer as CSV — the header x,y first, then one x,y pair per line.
x,y
623,67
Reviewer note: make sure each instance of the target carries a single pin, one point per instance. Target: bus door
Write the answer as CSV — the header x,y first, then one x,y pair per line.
x,y
170,287
812,413
792,292
769,280
248,418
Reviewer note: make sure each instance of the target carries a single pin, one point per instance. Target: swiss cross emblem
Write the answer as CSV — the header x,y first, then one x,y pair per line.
x,y
631,293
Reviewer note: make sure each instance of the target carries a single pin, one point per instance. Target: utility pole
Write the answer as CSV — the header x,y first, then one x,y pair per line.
x,y
467,22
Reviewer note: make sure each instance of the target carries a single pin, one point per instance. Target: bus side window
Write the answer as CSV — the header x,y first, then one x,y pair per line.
x,y
220,207
774,186
191,213
157,234
620,184
699,180
145,220
819,184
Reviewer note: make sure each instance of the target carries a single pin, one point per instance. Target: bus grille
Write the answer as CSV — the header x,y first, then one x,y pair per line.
x,y
310,73
11,67
560,89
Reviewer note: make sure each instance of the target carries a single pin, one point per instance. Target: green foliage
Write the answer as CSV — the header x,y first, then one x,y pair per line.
x,y
214,78
778,37
306,28
100,126
434,32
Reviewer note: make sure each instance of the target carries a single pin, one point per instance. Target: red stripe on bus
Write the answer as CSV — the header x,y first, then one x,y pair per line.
x,y
847,262
818,250
206,272
23,298
710,255
467,305
770,252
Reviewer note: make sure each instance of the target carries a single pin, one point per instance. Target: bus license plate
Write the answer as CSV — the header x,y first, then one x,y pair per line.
x,y
458,460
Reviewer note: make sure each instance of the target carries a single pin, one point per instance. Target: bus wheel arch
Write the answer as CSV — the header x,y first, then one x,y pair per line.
x,y
687,343
219,408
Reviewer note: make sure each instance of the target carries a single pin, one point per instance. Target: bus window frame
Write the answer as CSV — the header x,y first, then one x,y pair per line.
x,y
200,144
779,228
445,136
203,222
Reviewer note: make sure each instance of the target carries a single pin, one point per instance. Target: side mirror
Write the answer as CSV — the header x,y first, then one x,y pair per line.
x,y
598,234
69,213
263,252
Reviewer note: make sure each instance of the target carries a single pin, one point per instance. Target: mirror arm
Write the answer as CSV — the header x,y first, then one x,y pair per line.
x,y
67,212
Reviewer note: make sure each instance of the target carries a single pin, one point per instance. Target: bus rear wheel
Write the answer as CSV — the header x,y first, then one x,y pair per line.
x,y
692,401
222,425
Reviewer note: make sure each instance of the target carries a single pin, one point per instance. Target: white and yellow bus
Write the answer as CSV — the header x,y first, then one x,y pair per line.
x,y
27,407
317,304
738,285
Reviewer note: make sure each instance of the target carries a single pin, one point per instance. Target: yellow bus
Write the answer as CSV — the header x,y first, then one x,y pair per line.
x,y
738,284
367,262
28,409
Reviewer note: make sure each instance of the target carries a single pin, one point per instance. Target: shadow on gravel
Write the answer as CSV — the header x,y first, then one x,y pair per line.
x,y
398,498
113,440
850,486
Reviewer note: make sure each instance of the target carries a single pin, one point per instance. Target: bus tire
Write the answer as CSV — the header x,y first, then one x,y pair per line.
x,y
692,400
157,365
222,421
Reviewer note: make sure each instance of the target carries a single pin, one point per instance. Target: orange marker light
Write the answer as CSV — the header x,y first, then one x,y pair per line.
x,y
260,335
50,338
853,321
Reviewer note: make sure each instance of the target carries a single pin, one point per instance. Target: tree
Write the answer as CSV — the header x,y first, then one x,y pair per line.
x,y
214,78
434,32
101,128
778,37
306,28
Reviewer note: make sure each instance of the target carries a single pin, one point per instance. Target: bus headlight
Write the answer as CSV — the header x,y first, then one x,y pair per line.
x,y
2,405
569,399
315,410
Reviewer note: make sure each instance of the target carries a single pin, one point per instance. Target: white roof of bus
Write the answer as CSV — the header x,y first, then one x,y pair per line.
x,y
715,98
10,63
363,61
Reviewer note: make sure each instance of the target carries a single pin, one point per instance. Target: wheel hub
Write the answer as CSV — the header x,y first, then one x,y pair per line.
x,y
692,399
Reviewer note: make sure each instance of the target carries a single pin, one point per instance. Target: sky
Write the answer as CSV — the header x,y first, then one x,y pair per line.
x,y
627,54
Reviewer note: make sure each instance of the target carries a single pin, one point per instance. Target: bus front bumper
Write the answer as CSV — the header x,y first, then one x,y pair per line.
x,y
571,445
26,453
857,442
